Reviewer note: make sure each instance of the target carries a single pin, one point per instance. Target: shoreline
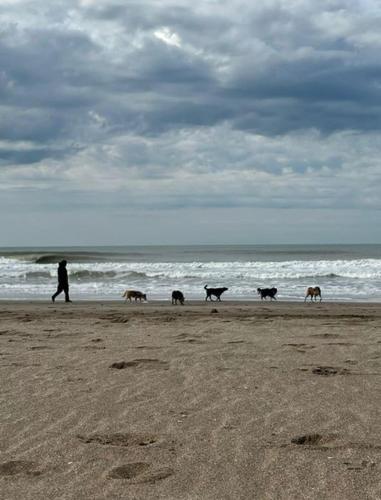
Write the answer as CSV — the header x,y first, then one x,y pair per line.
x,y
190,302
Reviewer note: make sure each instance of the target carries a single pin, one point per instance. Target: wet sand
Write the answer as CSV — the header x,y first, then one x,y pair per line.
x,y
153,401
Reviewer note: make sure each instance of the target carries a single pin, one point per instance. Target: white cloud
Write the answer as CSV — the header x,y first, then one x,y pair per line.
x,y
167,36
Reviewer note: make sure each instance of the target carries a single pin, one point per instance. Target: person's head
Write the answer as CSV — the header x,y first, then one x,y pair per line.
x,y
63,263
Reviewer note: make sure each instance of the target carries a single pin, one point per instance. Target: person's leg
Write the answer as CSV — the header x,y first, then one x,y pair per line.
x,y
59,290
66,290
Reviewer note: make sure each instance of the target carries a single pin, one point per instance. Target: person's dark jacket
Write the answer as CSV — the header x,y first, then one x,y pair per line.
x,y
62,274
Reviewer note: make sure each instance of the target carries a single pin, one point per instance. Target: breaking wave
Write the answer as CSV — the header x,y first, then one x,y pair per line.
x,y
37,275
72,257
92,275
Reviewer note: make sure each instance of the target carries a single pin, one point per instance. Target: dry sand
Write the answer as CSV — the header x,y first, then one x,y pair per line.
x,y
255,401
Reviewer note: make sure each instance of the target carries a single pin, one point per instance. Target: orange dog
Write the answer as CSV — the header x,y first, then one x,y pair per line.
x,y
134,294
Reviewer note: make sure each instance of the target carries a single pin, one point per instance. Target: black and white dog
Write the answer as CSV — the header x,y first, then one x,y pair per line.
x,y
267,292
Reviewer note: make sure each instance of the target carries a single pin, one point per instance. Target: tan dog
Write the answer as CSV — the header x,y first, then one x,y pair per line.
x,y
313,292
134,294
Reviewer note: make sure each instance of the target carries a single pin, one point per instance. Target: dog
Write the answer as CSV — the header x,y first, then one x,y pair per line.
x,y
267,292
134,294
313,291
217,292
177,296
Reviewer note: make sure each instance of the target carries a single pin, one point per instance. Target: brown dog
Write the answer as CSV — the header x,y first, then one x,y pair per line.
x,y
134,294
313,291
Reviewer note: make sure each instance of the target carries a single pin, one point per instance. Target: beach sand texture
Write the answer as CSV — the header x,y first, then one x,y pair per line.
x,y
153,401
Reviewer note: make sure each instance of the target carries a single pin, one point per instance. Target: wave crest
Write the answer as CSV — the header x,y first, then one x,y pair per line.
x,y
86,274
37,275
55,258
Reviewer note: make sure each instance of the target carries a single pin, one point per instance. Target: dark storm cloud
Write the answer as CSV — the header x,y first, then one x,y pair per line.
x,y
146,15
237,68
334,70
28,156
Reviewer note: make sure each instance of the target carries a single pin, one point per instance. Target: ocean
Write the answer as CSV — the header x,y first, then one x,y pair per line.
x,y
343,272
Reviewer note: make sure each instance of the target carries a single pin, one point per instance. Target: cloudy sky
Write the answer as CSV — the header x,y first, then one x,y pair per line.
x,y
178,121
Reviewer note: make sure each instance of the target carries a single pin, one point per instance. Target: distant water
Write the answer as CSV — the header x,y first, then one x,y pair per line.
x,y
344,272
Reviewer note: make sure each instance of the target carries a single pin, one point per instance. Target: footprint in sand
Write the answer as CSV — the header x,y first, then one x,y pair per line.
x,y
119,439
140,472
301,345
190,340
313,440
326,335
145,363
128,471
328,371
116,318
168,319
149,347
364,464
14,467
339,343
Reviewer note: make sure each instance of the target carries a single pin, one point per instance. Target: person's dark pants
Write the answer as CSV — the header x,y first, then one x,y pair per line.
x,y
60,289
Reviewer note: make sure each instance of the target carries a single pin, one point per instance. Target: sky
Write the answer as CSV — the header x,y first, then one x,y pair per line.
x,y
178,122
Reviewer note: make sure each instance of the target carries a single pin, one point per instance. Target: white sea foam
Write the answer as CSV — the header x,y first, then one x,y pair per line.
x,y
341,279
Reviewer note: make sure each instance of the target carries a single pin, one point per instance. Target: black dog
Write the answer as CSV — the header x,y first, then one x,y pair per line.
x,y
267,292
177,296
217,292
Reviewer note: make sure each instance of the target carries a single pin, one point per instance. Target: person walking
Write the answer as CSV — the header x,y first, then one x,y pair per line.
x,y
63,282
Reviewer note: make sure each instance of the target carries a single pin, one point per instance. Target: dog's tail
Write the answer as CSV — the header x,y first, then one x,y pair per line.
x,y
205,287
125,294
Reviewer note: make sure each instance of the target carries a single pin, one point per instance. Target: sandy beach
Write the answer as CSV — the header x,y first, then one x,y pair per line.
x,y
151,401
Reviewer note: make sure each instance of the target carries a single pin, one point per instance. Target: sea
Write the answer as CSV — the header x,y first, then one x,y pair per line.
x,y
347,273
